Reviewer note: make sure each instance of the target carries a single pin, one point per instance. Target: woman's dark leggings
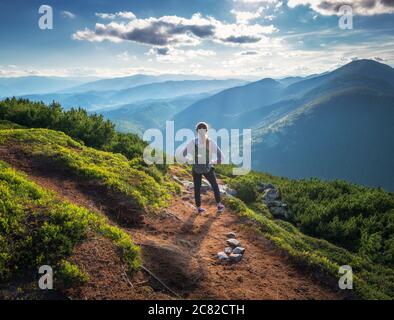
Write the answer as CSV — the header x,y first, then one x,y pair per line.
x,y
211,177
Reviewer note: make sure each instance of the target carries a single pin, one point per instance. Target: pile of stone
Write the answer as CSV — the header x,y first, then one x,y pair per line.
x,y
234,251
272,199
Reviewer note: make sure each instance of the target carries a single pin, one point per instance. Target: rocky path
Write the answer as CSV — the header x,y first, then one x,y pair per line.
x,y
189,244
180,248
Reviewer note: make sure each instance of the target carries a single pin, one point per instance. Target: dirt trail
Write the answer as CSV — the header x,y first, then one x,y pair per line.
x,y
180,248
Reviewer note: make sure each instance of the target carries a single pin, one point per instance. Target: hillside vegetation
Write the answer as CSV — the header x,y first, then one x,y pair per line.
x,y
37,228
141,186
357,221
92,130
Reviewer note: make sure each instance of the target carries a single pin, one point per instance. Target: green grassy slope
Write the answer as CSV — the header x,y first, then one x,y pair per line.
x,y
4,124
36,228
357,221
325,209
143,187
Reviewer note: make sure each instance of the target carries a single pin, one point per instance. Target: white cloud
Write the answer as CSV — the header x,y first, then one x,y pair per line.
x,y
170,54
121,14
257,2
360,7
248,10
67,14
176,31
246,16
124,56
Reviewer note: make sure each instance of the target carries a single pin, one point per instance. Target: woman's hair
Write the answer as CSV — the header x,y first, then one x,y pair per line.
x,y
202,125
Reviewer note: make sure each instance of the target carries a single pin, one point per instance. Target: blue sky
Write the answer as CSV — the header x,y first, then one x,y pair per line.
x,y
220,38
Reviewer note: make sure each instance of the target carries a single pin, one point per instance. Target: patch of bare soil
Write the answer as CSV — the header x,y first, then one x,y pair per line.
x,y
179,250
97,256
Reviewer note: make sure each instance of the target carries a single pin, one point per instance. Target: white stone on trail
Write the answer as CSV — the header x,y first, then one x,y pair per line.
x,y
225,189
231,235
228,250
177,179
235,257
239,250
188,185
233,243
222,256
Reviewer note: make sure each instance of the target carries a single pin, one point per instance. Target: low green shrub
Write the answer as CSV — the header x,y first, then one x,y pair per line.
x,y
144,186
36,228
371,280
90,129
71,275
4,124
355,217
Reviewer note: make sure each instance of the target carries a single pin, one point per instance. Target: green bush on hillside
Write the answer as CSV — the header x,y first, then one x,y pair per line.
x,y
36,228
145,187
92,129
4,124
371,280
358,218
71,275
247,188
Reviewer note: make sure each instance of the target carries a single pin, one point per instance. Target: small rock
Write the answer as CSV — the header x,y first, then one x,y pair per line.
x,y
222,256
228,250
233,243
278,209
235,257
188,184
231,235
176,178
265,186
277,203
225,189
279,212
271,195
239,250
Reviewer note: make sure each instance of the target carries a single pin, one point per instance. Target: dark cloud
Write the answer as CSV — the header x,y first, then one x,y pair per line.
x,y
162,51
173,30
361,7
157,32
241,39
249,53
388,3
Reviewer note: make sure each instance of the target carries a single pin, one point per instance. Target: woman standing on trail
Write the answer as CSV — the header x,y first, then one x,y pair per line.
x,y
203,148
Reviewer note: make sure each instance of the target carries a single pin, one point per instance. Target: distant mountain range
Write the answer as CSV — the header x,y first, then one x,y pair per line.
x,y
140,116
101,99
337,124
16,86
130,82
